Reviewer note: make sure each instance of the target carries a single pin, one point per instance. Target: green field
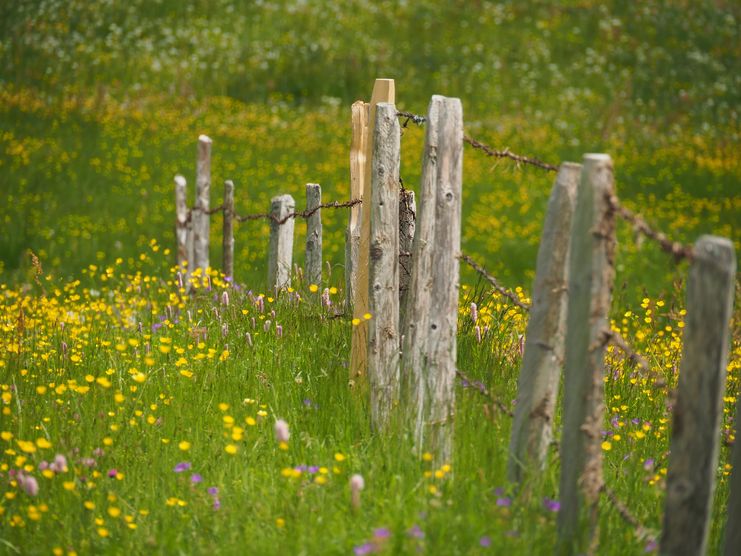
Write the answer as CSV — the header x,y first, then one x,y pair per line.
x,y
101,105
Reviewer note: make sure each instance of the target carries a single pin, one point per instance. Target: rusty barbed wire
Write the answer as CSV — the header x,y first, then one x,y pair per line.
x,y
493,281
479,386
641,531
673,248
299,214
410,117
506,153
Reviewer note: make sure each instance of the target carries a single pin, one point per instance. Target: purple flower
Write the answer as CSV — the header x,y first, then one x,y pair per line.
x,y
196,478
485,541
551,505
365,548
415,532
213,491
648,464
217,504
504,502
381,533
182,466
112,473
651,546
313,469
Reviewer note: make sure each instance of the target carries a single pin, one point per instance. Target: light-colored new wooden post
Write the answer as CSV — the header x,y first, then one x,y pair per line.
x,y
181,224
699,409
313,272
732,543
383,328
537,388
227,244
201,218
383,91
429,346
280,253
357,176
407,223
591,275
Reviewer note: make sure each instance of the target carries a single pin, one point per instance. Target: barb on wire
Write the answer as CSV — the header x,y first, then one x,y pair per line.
x,y
499,404
506,153
610,336
493,281
301,214
673,248
410,117
641,531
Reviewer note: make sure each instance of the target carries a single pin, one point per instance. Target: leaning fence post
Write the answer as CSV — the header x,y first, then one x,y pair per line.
x,y
540,374
313,271
201,218
733,531
591,275
429,346
228,239
383,328
699,408
383,91
181,224
407,223
357,177
281,242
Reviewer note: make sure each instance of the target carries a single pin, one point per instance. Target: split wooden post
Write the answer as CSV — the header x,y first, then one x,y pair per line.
x,y
591,275
699,409
357,177
733,531
407,223
383,328
201,218
313,272
429,345
281,242
383,91
181,225
540,374
228,239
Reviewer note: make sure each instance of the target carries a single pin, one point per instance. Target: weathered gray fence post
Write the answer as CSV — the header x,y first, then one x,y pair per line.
x,y
429,346
699,409
383,303
281,242
357,176
313,273
181,225
228,239
201,218
540,374
407,223
591,275
733,530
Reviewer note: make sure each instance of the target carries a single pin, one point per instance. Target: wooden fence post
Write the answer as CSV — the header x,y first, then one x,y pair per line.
x,y
591,275
383,91
281,242
540,374
407,223
383,328
733,531
201,218
228,239
699,408
181,225
357,177
429,346
313,273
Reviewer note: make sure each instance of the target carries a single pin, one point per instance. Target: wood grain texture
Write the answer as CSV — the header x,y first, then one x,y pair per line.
x,y
313,259
227,242
181,223
280,252
201,219
357,177
407,224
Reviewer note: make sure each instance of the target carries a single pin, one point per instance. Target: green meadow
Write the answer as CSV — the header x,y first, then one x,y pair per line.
x,y
146,416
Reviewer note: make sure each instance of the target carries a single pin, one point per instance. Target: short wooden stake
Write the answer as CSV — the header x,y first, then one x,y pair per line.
x,y
313,272
733,530
591,275
540,375
228,239
281,242
429,345
181,224
201,218
383,327
699,409
357,177
407,223
383,91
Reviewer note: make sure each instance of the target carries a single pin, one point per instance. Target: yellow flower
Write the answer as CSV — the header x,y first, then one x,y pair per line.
x,y
280,522
231,449
607,445
367,316
339,457
184,445
103,532
43,443
313,288
114,511
140,377
89,505
427,456
355,322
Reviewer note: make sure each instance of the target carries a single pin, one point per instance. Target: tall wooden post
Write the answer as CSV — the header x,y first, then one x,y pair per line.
x,y
357,177
181,224
407,223
313,271
699,409
201,218
591,275
429,346
540,374
280,252
383,91
383,328
227,243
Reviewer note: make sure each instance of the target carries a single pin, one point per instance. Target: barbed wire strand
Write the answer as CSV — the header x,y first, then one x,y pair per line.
x,y
499,404
299,214
641,531
493,281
